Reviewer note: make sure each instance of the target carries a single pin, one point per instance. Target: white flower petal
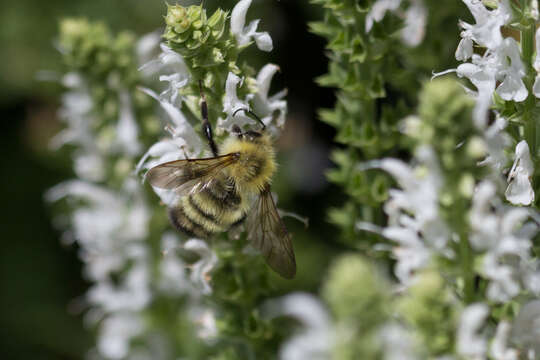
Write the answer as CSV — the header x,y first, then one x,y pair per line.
x,y
264,41
499,349
238,18
315,340
231,104
378,10
399,344
537,58
182,128
519,190
201,269
536,86
415,24
127,130
526,327
116,333
243,34
465,49
469,342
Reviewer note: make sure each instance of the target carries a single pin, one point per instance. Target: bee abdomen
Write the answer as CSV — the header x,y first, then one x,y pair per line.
x,y
184,224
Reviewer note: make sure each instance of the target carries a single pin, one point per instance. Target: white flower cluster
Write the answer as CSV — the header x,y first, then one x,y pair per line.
x,y
318,333
473,343
78,115
111,225
499,69
271,109
414,223
505,235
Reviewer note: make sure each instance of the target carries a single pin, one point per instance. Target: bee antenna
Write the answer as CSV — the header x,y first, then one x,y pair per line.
x,y
249,112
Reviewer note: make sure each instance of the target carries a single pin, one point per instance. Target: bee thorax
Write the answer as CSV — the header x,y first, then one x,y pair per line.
x,y
255,166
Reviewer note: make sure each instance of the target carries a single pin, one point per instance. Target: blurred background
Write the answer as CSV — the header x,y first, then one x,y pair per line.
x,y
42,286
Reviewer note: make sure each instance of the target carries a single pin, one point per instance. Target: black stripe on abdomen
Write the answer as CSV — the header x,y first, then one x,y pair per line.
x,y
193,204
221,198
183,223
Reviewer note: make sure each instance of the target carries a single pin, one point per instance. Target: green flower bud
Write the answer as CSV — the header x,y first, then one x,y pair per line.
x,y
428,308
476,148
466,185
355,290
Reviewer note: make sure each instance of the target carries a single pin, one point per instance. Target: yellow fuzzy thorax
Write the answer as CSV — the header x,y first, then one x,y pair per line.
x,y
256,165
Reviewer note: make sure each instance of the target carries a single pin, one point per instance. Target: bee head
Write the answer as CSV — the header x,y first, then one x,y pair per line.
x,y
250,135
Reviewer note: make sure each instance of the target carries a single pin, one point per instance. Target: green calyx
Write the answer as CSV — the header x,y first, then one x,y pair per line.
x,y
192,34
91,48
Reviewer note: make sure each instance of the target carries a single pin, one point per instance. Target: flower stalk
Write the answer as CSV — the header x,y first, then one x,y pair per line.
x,y
529,117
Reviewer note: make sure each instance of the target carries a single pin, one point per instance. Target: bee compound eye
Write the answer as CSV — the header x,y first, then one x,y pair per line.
x,y
253,134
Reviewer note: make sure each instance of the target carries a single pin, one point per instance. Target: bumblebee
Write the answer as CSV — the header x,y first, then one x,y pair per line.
x,y
221,192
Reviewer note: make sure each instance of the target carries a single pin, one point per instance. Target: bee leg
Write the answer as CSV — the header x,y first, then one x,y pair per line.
x,y
207,127
186,156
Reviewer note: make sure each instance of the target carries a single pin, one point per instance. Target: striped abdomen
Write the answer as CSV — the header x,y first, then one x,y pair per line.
x,y
212,210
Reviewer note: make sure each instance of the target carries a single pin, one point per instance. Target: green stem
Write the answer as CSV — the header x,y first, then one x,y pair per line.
x,y
527,49
466,256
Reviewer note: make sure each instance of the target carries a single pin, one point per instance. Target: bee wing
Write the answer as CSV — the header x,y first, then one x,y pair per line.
x,y
267,233
189,176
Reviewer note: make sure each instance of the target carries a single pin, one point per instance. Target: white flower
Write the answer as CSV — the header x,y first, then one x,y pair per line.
x,y
147,46
315,339
132,293
470,343
182,129
534,10
244,34
109,228
415,24
414,17
465,47
205,321
519,190
89,166
486,32
76,110
116,333
398,343
231,103
505,235
484,72
482,75
271,109
184,141
536,86
500,63
499,348
536,63
413,213
526,329
172,269
127,130
378,10
173,63
497,141
200,270
266,106
512,87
